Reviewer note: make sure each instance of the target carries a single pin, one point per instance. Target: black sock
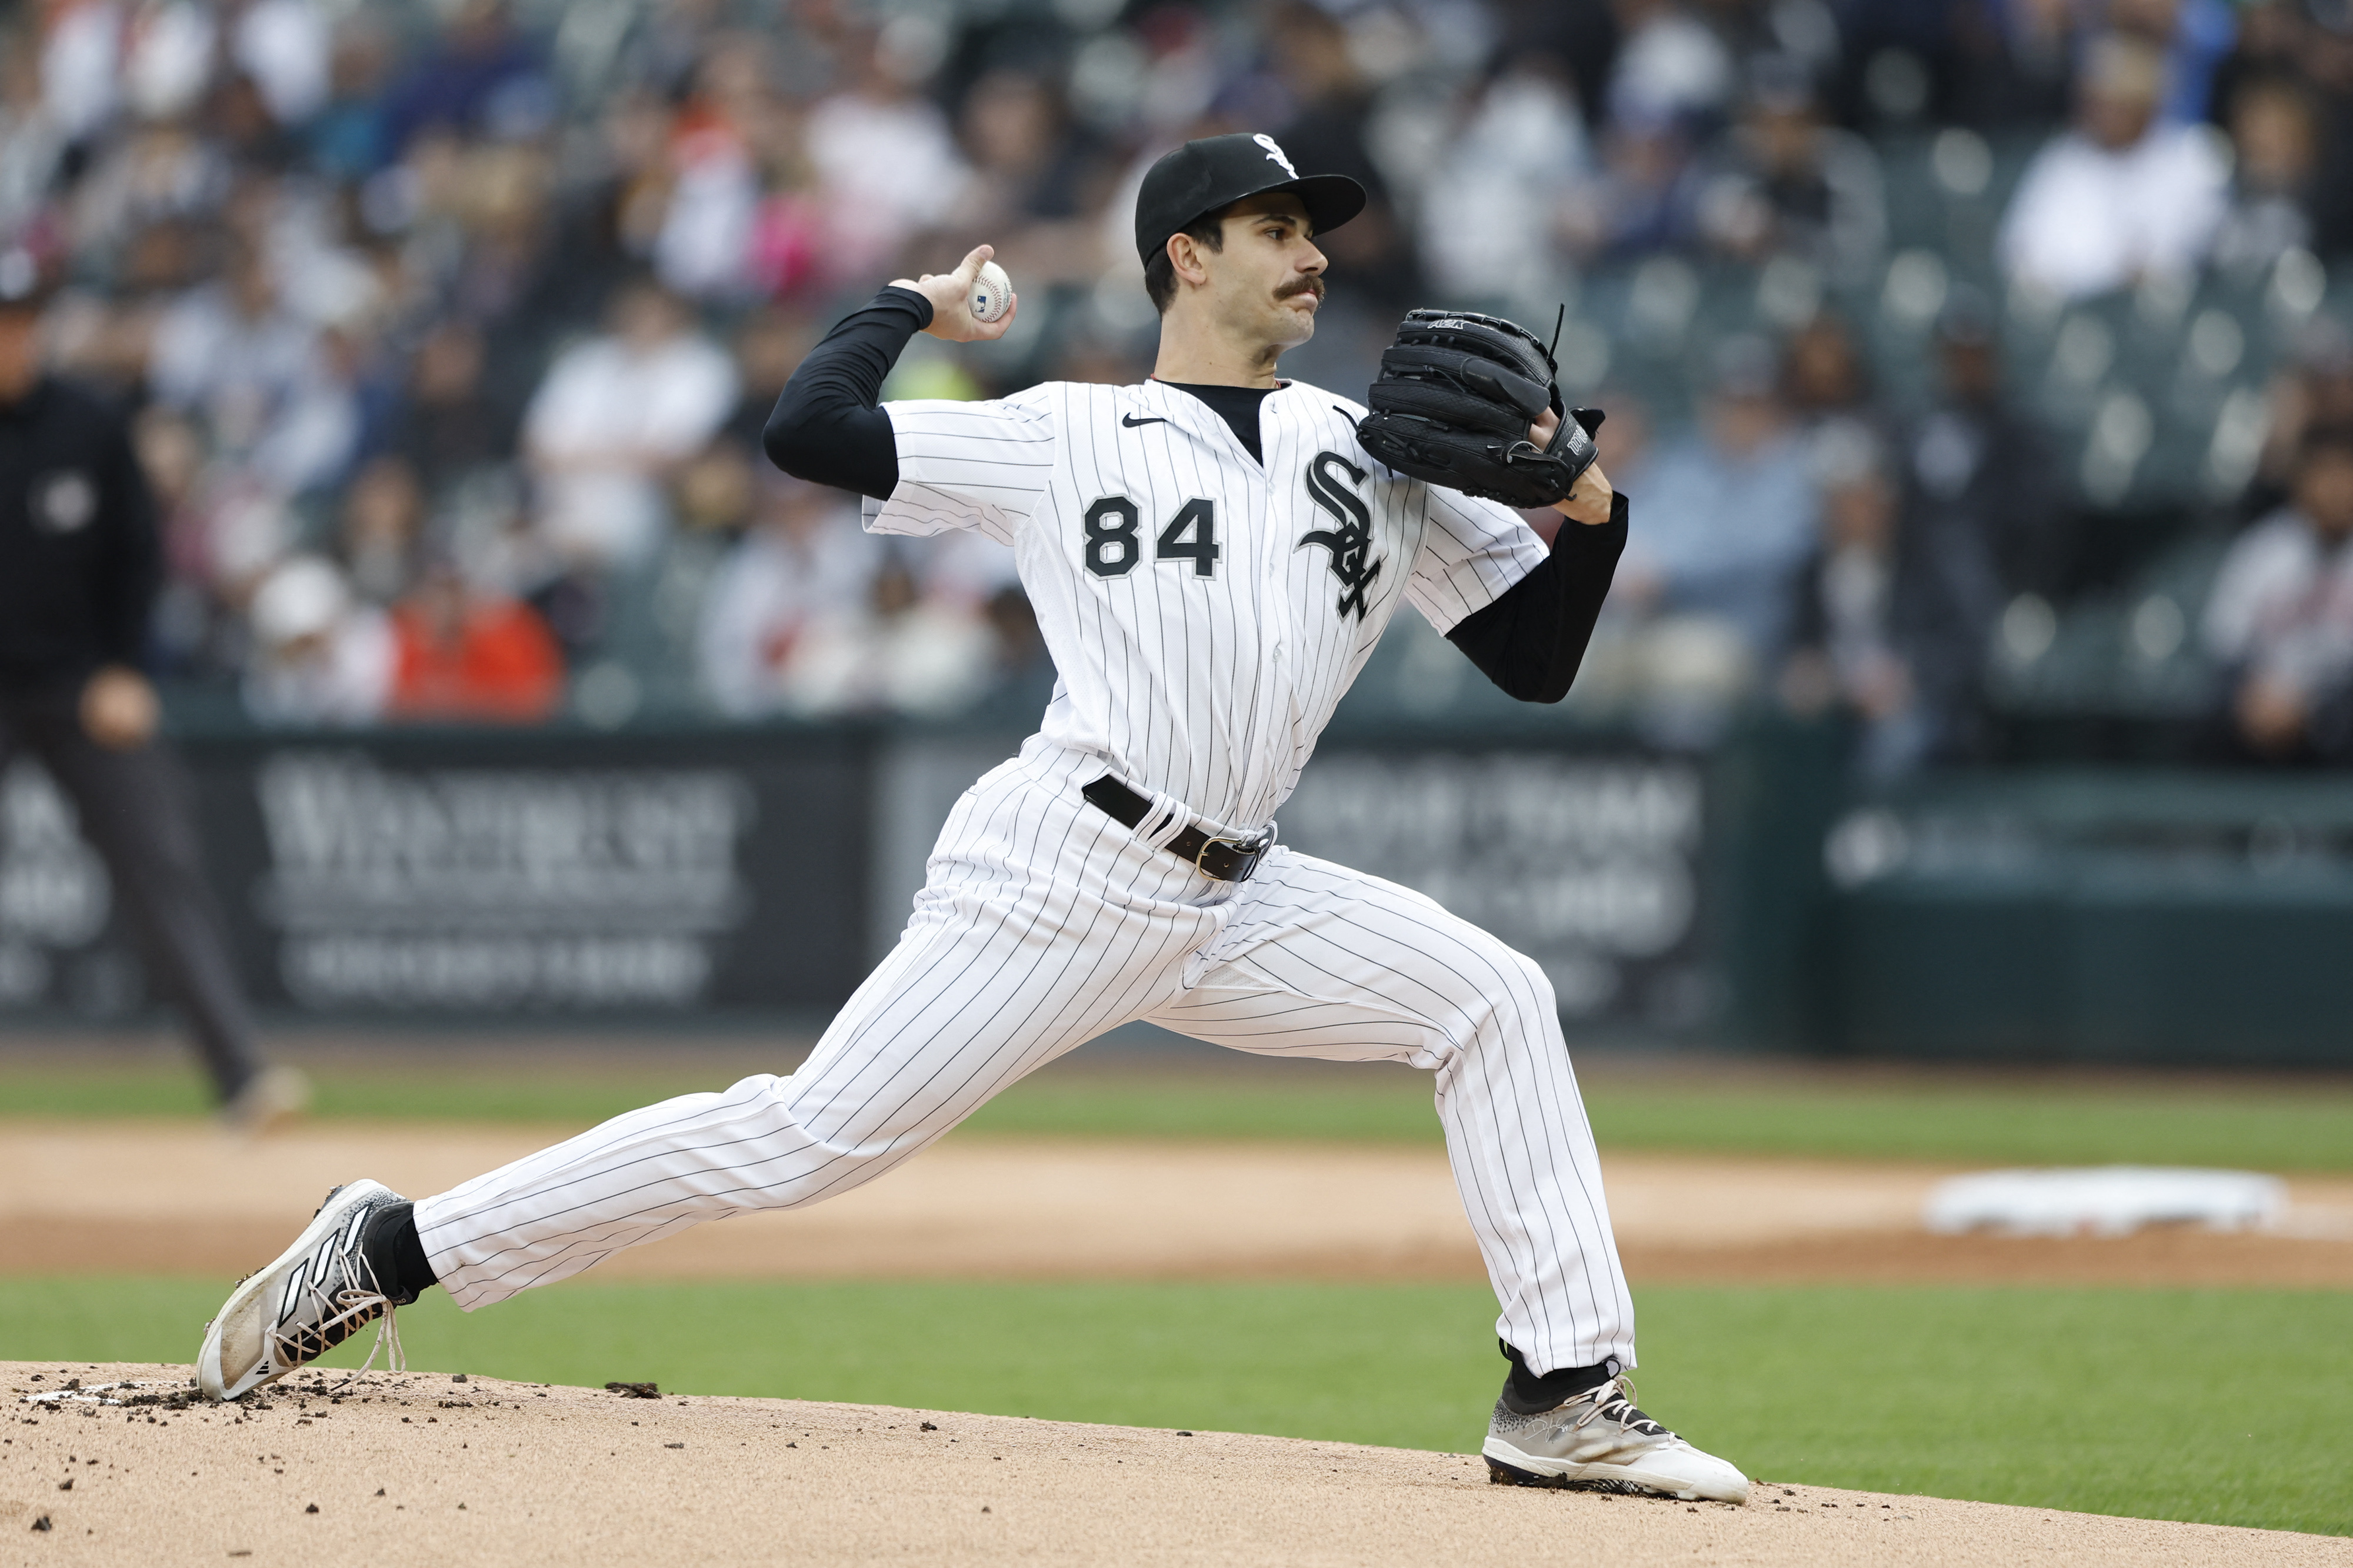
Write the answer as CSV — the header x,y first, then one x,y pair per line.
x,y
1527,1394
397,1254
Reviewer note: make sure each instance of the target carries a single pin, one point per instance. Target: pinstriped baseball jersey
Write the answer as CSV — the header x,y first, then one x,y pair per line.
x,y
1205,611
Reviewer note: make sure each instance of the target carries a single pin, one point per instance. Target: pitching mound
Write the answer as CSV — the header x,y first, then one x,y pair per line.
x,y
420,1466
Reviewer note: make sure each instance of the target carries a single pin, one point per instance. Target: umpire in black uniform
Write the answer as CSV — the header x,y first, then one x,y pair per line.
x,y
79,565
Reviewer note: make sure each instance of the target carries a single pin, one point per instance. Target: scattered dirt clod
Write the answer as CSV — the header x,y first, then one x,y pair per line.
x,y
634,1390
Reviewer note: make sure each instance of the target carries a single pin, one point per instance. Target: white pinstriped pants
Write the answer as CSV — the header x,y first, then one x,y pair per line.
x,y
1044,925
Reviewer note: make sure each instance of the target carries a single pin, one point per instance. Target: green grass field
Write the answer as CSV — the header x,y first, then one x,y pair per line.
x,y
2270,1125
2226,1408
2221,1406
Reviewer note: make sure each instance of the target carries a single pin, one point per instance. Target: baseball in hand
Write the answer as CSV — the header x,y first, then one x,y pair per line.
x,y
992,293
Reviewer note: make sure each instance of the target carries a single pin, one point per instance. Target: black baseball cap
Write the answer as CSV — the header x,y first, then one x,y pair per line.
x,y
1202,176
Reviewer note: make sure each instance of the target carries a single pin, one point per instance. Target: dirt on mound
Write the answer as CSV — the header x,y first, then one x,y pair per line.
x,y
422,1466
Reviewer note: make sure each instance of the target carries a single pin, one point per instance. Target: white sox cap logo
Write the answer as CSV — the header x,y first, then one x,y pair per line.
x,y
1275,153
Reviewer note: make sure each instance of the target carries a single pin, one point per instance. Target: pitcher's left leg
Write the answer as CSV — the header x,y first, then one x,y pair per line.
x,y
1320,961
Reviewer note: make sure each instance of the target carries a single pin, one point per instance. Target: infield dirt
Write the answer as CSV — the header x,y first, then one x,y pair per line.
x,y
161,1198
419,1466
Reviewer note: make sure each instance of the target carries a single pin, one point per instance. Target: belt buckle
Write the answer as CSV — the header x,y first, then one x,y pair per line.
x,y
1250,850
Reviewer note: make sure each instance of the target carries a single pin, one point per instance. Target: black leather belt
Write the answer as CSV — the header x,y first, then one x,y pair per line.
x,y
1227,860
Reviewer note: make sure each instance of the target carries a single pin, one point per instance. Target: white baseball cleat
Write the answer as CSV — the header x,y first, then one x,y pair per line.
x,y
321,1292
1599,1440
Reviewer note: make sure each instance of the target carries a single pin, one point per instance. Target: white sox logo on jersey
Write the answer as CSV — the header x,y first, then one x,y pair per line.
x,y
1351,543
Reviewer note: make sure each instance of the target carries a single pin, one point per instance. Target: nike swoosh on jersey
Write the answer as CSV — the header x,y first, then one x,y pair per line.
x,y
1131,421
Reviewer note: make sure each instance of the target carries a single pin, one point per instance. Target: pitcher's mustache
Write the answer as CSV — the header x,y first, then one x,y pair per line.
x,y
1311,284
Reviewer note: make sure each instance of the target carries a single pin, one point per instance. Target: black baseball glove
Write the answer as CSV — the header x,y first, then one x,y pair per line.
x,y
1457,394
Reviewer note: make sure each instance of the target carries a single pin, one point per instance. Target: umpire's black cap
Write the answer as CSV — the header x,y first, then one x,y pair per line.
x,y
1202,176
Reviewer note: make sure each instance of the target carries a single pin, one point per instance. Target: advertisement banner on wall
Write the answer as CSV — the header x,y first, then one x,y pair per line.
x,y
480,876
475,876
1591,864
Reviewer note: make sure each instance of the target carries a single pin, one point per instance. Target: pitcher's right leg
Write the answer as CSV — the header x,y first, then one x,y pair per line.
x,y
1059,928
1045,923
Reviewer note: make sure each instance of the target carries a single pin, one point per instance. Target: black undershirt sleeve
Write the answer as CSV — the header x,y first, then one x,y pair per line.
x,y
828,427
1531,639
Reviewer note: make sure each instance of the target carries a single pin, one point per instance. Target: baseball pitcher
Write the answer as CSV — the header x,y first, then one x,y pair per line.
x,y
1212,555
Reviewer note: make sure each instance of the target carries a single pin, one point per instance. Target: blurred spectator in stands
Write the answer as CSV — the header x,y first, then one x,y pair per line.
x,y
1894,611
2121,195
1973,471
964,569
347,137
1506,180
320,655
2277,142
459,653
769,344
480,76
31,142
271,397
1672,69
704,246
1022,681
154,174
883,158
1850,631
807,555
1999,67
718,490
383,524
896,650
446,426
2311,47
285,47
1099,361
1827,384
2313,391
1373,256
2191,35
1782,182
237,119
1637,199
614,417
1728,511
1031,183
2280,618
189,620
1580,36
1625,440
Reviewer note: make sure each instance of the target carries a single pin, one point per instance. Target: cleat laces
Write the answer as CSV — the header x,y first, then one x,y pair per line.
x,y
1614,1401
335,1315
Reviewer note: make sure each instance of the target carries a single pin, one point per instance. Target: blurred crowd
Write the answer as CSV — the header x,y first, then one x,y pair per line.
x,y
450,328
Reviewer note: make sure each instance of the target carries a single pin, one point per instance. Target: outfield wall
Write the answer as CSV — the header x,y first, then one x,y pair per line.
x,y
1741,895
